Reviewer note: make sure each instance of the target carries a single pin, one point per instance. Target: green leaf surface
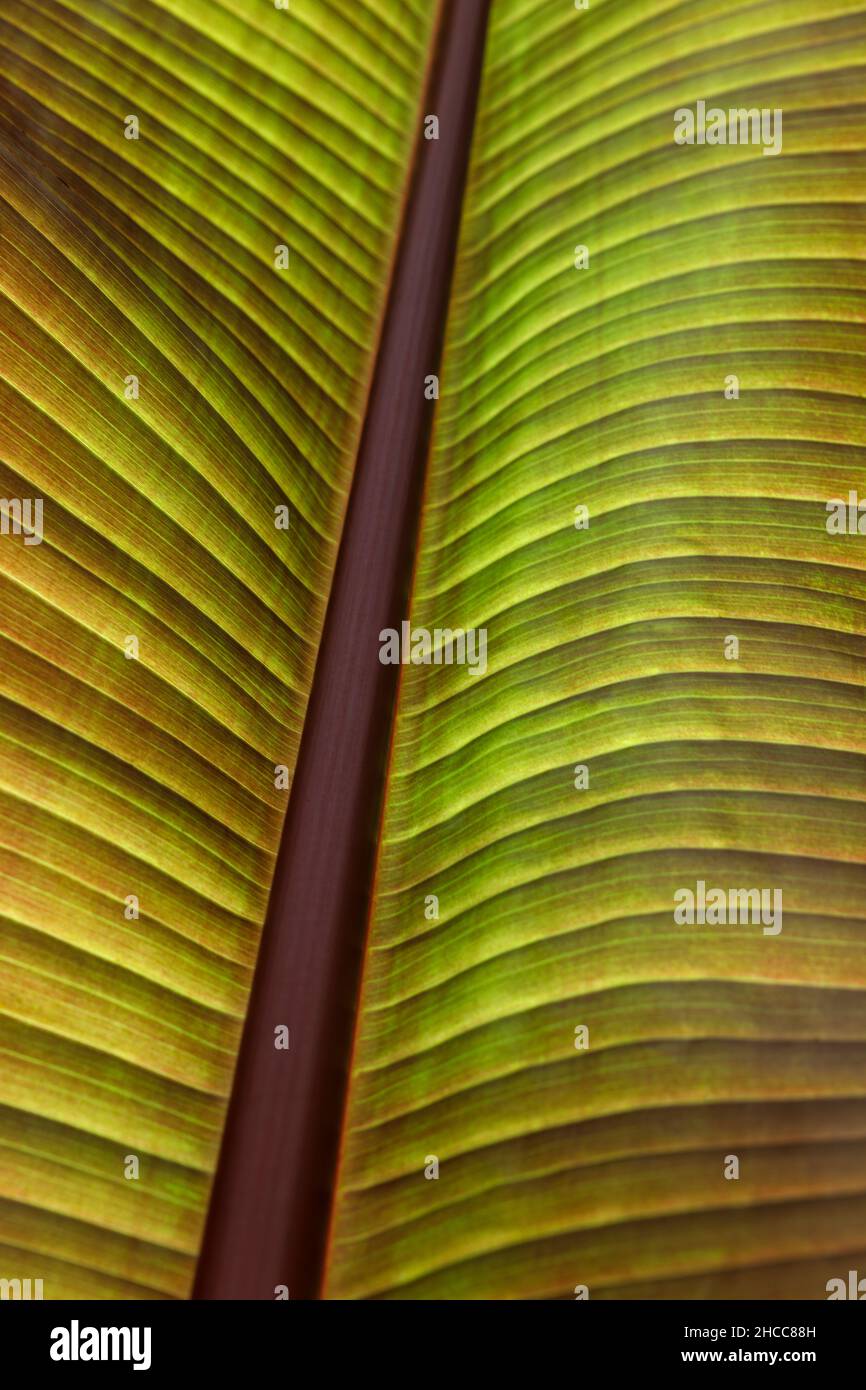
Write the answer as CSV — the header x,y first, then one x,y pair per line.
x,y
604,387
155,777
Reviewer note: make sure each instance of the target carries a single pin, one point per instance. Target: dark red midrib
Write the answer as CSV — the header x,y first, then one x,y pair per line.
x,y
271,1198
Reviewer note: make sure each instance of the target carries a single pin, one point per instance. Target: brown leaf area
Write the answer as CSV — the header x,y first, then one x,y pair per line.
x,y
166,388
